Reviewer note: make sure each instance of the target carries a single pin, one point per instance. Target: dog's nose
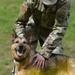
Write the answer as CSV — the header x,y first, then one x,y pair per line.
x,y
21,46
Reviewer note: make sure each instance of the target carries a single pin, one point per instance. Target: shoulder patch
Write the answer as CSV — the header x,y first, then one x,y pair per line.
x,y
24,8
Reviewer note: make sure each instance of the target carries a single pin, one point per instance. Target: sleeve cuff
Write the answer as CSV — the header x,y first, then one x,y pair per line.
x,y
44,53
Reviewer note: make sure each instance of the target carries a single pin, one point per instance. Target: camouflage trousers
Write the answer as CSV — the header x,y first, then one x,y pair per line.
x,y
40,33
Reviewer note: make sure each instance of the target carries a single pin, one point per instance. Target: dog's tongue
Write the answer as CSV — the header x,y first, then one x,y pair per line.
x,y
19,53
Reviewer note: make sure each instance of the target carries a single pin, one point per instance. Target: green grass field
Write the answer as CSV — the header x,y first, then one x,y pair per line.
x,y
9,10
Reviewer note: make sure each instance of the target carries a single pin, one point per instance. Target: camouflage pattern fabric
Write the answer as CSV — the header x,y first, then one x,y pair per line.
x,y
48,25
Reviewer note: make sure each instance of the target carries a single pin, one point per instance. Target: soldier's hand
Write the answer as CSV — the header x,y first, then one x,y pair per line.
x,y
39,61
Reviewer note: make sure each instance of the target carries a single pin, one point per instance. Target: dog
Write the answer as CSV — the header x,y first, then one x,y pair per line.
x,y
23,59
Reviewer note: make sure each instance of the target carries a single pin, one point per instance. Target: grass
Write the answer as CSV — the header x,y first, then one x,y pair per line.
x,y
69,39
9,10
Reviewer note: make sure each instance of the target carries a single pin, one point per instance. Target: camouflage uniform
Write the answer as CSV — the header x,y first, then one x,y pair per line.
x,y
48,25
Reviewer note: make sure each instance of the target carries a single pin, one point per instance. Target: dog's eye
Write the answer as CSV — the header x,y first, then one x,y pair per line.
x,y
16,41
24,42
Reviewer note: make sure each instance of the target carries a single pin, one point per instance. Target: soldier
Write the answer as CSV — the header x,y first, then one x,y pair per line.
x,y
46,21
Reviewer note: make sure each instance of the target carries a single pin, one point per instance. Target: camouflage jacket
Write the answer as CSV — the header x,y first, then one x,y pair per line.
x,y
55,18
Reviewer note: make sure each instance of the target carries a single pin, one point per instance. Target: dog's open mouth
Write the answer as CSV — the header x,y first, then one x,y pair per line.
x,y
20,53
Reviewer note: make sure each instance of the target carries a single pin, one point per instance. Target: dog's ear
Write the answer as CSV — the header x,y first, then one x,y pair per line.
x,y
14,35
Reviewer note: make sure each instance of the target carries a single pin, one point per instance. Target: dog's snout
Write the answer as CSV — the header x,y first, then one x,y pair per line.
x,y
21,46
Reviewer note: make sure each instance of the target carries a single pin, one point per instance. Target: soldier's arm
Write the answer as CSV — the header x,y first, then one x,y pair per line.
x,y
58,32
23,18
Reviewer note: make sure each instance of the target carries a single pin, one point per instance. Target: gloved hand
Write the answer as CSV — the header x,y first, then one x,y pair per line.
x,y
39,61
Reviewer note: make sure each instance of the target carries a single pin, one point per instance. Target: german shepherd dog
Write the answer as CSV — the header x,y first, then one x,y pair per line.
x,y
23,60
